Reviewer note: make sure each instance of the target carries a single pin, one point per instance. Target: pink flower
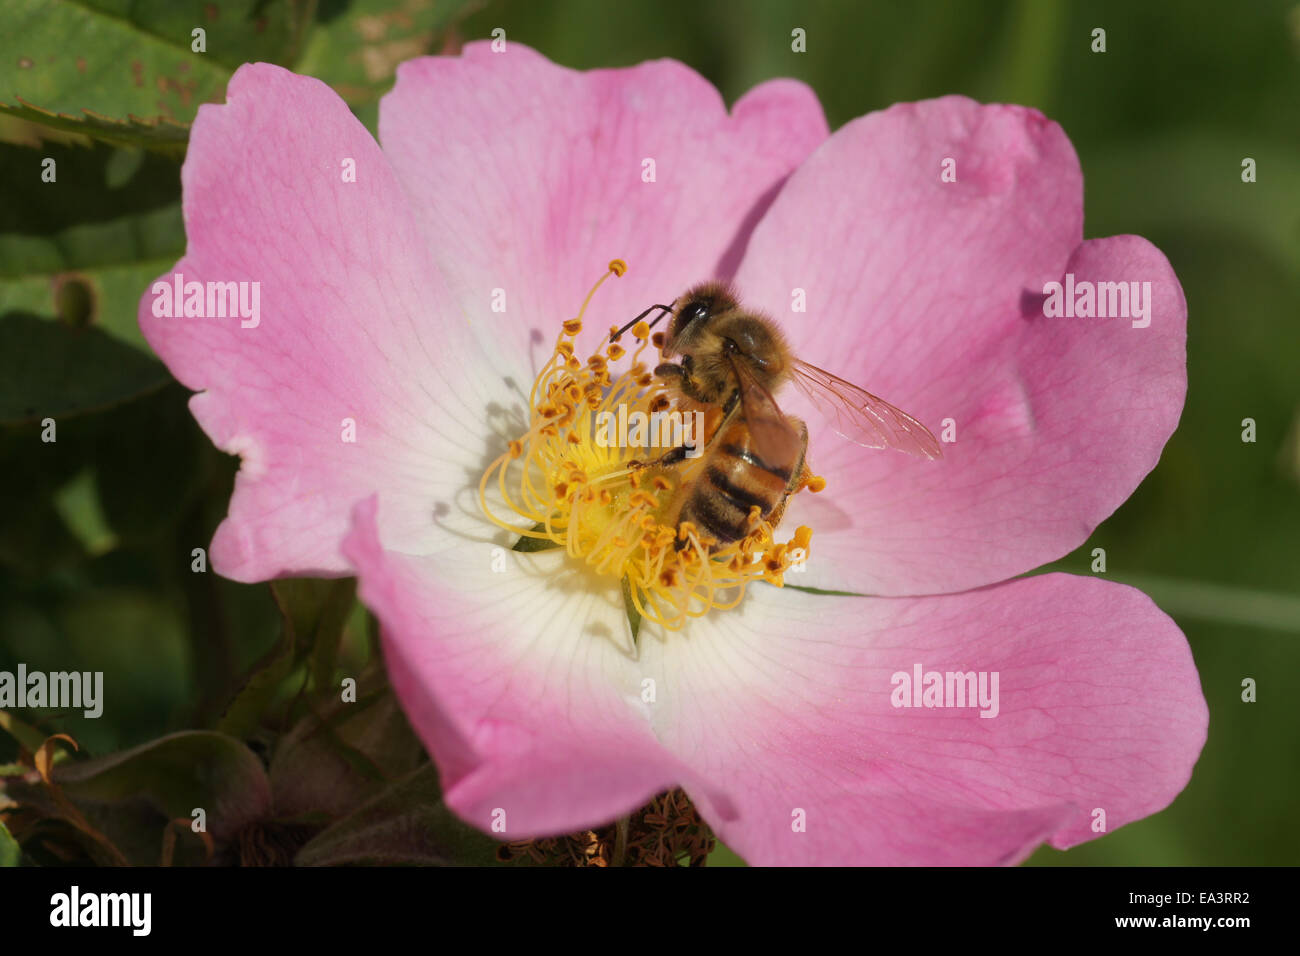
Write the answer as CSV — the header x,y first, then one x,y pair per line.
x,y
507,179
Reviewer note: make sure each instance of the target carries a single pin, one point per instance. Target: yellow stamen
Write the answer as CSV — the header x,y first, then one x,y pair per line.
x,y
592,498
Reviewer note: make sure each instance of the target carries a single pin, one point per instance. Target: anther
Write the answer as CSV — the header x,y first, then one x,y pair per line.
x,y
592,500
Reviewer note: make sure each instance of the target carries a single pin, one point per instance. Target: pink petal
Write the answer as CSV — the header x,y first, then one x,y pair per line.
x,y
786,704
528,178
524,686
520,683
347,296
928,294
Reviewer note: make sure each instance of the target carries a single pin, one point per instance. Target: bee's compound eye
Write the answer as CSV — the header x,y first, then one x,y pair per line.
x,y
682,328
692,311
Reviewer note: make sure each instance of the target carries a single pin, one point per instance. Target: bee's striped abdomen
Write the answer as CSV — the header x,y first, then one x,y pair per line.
x,y
734,481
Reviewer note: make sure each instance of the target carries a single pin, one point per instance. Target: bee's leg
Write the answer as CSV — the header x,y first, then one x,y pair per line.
x,y
679,377
670,372
666,459
676,455
798,474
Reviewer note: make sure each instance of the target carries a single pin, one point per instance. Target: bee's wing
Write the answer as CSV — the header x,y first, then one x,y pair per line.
x,y
774,438
861,417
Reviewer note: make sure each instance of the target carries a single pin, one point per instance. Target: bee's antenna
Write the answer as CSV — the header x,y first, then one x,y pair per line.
x,y
664,310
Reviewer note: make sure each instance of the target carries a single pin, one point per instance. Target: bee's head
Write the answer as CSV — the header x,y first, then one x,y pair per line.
x,y
693,316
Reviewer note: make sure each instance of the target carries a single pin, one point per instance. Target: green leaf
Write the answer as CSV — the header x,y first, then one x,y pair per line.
x,y
406,824
10,851
120,478
173,776
115,808
161,136
106,208
527,544
355,47
633,615
75,256
26,735
125,72
246,710
333,761
723,855
133,61
90,207
312,615
50,371
317,610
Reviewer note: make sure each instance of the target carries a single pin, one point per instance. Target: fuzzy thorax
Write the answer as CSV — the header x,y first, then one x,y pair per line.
x,y
599,501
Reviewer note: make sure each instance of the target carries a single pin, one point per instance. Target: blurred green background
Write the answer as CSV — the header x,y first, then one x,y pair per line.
x,y
97,528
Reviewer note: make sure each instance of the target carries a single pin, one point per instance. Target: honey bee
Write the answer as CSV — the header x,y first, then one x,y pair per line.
x,y
732,361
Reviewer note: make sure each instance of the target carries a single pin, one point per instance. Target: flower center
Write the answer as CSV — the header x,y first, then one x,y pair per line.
x,y
608,503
